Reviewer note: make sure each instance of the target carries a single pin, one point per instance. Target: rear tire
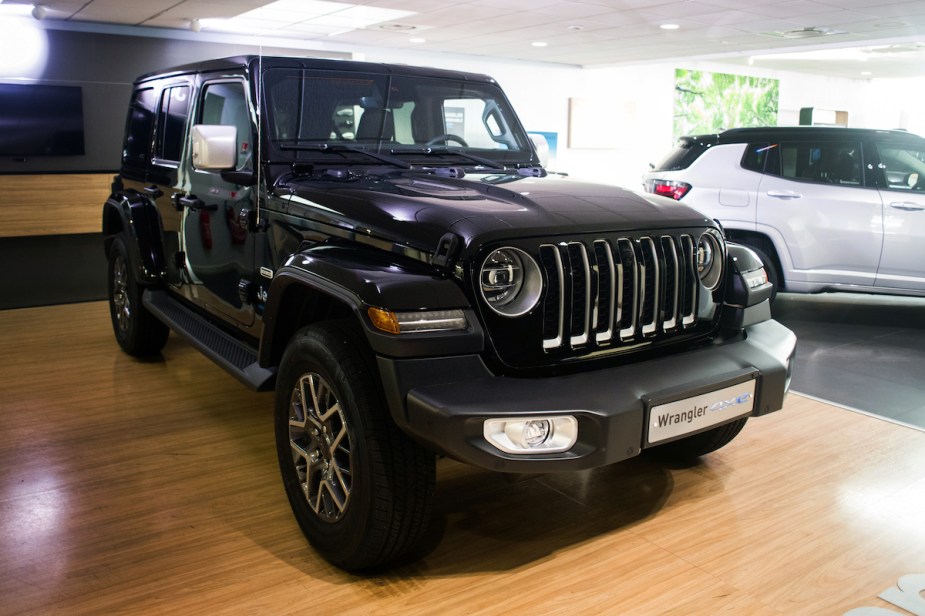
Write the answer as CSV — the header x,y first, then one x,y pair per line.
x,y
360,489
137,331
687,449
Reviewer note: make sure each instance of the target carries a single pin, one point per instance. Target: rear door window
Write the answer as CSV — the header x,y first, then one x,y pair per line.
x,y
171,123
757,155
822,162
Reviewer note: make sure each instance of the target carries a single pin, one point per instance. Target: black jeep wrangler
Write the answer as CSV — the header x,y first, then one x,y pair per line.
x,y
382,246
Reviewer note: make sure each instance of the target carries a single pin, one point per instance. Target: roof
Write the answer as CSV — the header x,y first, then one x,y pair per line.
x,y
251,61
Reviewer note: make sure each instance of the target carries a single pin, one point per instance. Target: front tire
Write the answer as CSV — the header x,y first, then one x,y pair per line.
x,y
359,488
137,331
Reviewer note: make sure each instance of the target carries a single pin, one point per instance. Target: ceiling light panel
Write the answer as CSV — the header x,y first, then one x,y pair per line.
x,y
311,16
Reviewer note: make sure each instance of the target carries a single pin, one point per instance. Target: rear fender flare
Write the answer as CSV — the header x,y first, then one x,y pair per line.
x,y
136,217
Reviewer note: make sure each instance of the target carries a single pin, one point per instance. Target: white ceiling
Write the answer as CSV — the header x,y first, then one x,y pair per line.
x,y
885,38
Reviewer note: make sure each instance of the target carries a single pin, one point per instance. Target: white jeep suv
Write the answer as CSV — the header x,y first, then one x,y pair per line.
x,y
827,209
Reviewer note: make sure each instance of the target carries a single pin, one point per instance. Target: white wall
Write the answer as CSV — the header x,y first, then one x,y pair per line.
x,y
897,103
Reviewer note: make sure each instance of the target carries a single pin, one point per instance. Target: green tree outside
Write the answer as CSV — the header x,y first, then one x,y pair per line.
x,y
712,102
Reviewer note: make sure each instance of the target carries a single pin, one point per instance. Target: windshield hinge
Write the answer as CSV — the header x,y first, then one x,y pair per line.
x,y
449,172
447,251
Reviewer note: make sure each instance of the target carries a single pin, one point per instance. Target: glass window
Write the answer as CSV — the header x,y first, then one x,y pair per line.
x,y
225,103
398,114
756,156
171,122
825,162
138,128
903,166
683,155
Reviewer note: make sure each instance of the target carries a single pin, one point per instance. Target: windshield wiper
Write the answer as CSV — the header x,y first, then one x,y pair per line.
x,y
487,162
340,148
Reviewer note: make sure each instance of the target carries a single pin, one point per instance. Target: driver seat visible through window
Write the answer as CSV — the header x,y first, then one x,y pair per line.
x,y
376,124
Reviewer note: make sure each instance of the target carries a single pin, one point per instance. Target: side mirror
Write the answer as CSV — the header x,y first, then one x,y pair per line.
x,y
542,148
215,147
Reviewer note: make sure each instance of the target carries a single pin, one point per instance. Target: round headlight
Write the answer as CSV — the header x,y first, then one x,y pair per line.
x,y
510,282
709,260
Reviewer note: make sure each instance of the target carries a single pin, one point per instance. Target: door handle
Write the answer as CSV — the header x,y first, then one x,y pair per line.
x,y
153,191
784,194
907,206
192,202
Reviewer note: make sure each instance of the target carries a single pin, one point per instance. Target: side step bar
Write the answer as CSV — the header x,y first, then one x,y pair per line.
x,y
222,348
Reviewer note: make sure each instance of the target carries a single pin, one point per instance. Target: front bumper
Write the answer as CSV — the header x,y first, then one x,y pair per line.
x,y
443,402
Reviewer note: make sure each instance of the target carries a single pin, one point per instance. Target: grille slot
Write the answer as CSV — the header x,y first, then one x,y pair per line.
x,y
617,291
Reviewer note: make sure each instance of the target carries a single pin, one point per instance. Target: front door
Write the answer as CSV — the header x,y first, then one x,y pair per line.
x,y
217,245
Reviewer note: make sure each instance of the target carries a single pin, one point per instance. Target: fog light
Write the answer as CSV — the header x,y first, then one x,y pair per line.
x,y
520,435
534,432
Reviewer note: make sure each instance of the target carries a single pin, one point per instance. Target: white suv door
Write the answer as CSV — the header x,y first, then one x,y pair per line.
x,y
817,203
902,265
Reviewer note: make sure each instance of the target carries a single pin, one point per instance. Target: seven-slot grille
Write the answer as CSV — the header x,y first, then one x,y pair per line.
x,y
618,291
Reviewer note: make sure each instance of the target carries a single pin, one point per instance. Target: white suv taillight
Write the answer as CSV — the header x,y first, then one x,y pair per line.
x,y
668,188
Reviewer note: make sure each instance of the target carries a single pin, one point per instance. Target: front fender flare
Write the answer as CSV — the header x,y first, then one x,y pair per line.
x,y
360,278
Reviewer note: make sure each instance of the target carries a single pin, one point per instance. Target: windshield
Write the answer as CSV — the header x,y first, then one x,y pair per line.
x,y
427,121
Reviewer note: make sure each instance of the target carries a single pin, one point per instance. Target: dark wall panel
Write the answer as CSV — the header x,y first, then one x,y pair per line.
x,y
51,269
41,270
104,66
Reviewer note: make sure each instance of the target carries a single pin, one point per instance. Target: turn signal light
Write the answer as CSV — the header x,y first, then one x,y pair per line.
x,y
422,321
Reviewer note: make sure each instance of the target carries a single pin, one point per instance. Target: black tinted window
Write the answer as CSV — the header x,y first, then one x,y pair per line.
x,y
139,128
825,162
684,154
756,156
171,121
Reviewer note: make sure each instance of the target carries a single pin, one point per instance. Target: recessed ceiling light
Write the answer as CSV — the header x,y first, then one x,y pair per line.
x,y
866,73
808,32
539,43
669,26
397,27
417,40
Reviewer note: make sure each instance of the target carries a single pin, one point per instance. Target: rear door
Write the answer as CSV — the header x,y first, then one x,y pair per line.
x,y
163,184
901,164
814,196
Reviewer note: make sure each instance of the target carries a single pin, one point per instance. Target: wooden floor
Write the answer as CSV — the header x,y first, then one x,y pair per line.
x,y
131,487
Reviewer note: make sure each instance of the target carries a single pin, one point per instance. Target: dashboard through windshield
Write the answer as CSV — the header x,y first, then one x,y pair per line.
x,y
423,120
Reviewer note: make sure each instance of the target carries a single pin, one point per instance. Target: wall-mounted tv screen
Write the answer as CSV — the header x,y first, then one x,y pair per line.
x,y
39,120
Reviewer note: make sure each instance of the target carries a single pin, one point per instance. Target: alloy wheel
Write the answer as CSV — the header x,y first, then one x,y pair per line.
x,y
321,447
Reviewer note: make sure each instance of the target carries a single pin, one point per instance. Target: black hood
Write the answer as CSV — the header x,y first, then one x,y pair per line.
x,y
416,209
